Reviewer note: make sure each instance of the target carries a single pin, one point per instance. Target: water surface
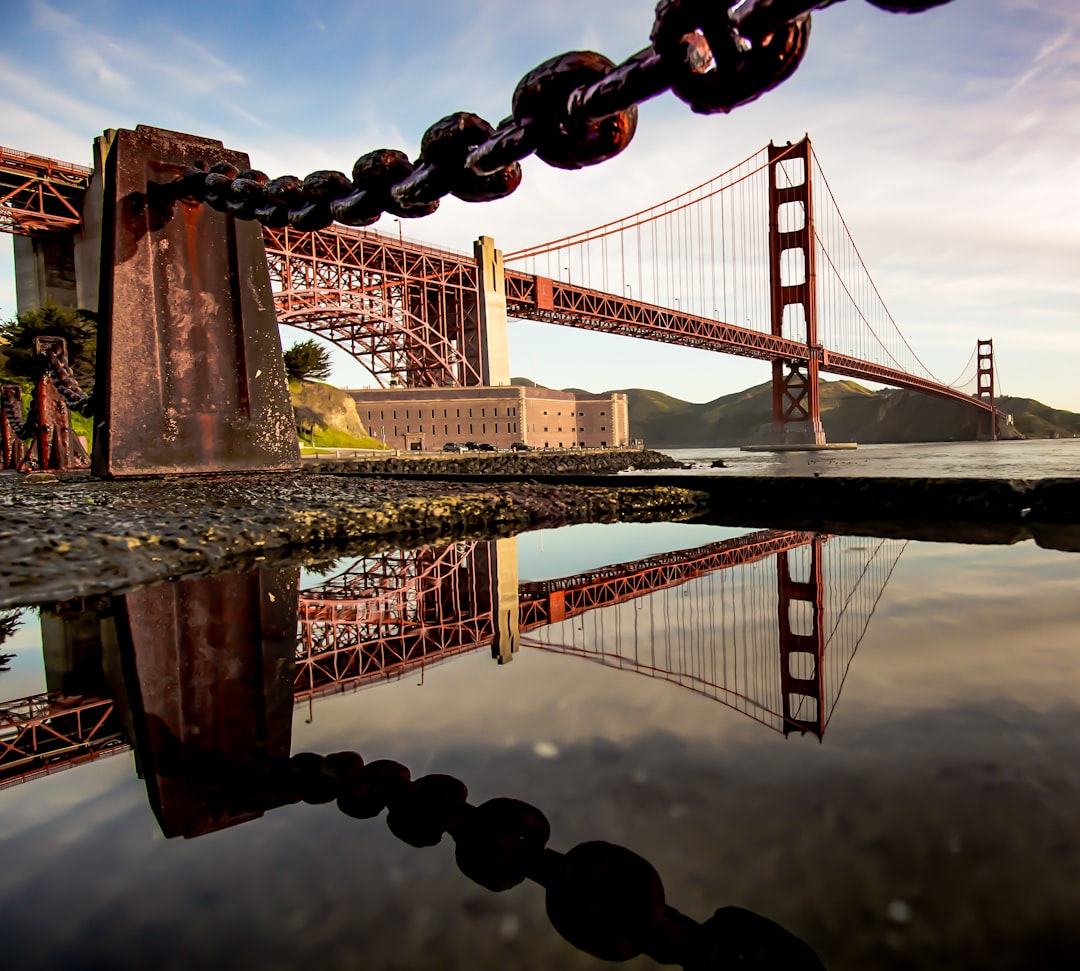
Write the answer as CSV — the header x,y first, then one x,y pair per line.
x,y
870,742
1026,459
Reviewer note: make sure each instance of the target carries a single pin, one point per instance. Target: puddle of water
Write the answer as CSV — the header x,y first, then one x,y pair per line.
x,y
869,742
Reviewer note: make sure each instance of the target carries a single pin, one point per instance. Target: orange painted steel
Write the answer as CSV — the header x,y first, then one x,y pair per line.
x,y
551,601
803,693
402,611
45,733
796,401
554,302
984,388
39,194
403,310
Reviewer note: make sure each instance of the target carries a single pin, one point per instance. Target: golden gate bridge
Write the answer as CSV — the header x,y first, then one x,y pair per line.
x,y
758,262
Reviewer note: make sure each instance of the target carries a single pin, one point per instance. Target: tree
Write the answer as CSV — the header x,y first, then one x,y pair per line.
x,y
308,361
17,342
9,622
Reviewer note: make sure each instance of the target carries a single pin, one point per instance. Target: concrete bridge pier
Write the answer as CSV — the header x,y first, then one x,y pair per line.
x,y
64,267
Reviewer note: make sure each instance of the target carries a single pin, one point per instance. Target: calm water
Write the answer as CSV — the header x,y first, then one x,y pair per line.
x,y
909,799
1005,460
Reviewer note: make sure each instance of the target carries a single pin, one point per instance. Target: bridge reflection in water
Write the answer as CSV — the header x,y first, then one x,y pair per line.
x,y
767,624
201,677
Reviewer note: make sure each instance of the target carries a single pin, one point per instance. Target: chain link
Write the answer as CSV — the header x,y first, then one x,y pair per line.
x,y
63,379
573,110
54,363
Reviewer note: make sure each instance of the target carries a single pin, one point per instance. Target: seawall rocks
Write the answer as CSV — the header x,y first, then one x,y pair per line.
x,y
451,464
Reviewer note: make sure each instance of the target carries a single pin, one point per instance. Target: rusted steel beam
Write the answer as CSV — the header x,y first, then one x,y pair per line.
x,y
54,446
191,377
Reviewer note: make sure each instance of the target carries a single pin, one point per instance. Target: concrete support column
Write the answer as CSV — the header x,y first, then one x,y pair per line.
x,y
491,311
505,599
45,271
64,267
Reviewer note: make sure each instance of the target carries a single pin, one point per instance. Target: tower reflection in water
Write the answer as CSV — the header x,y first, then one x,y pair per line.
x,y
201,677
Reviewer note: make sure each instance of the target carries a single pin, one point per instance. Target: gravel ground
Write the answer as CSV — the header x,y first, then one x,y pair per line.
x,y
74,536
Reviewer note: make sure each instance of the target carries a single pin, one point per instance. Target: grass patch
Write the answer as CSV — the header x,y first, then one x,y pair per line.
x,y
335,438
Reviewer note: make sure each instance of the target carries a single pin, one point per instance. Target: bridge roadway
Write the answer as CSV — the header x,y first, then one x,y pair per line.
x,y
336,282
552,301
45,733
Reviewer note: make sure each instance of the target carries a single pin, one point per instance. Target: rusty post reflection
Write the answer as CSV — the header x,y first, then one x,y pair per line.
x,y
208,666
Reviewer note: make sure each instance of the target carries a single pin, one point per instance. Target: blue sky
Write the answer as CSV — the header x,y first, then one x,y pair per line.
x,y
950,140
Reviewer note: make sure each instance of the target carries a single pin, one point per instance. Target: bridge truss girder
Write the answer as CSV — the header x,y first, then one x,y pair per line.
x,y
45,733
407,312
552,601
391,613
38,194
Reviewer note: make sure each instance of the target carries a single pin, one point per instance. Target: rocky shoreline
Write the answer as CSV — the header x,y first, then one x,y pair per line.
x,y
575,462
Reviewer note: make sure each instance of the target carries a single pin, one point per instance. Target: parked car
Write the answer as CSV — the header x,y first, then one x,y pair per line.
x,y
486,447
454,447
472,446
520,447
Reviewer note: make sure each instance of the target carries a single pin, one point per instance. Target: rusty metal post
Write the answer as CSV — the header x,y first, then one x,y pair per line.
x,y
796,401
208,666
190,371
11,446
54,444
803,692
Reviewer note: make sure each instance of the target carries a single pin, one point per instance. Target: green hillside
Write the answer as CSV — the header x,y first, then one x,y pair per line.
x,y
1033,419
327,416
849,412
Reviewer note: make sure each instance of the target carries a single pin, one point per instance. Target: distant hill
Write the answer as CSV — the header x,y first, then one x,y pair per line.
x,y
1033,419
849,412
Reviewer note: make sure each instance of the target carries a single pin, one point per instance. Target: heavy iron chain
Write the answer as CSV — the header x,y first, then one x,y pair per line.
x,y
576,109
603,898
63,379
12,404
54,363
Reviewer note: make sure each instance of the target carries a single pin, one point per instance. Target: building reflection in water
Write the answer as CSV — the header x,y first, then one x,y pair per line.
x,y
201,678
